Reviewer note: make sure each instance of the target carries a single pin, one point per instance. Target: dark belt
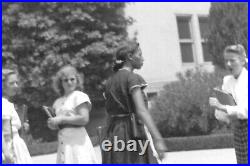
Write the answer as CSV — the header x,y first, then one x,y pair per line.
x,y
119,116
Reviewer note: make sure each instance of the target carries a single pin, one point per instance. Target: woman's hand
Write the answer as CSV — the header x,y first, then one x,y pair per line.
x,y
214,102
51,125
160,147
54,122
222,116
26,126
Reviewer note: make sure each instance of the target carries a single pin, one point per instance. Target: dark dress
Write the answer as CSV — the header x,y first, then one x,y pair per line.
x,y
118,103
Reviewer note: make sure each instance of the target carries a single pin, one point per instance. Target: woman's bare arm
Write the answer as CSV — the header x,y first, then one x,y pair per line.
x,y
81,118
143,113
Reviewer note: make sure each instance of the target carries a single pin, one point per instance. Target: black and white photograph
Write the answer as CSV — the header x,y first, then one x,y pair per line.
x,y
124,82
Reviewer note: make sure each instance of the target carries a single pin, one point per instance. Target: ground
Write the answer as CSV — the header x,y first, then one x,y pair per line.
x,y
211,156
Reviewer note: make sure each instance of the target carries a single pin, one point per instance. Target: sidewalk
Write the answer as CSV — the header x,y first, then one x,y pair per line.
x,y
51,158
211,156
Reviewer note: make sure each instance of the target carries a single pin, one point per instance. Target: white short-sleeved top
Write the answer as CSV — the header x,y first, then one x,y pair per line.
x,y
66,105
239,90
9,113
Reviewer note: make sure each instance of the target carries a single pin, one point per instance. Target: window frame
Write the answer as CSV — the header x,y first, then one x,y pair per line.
x,y
191,41
203,40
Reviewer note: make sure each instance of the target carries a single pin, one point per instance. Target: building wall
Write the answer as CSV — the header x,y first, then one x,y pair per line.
x,y
157,33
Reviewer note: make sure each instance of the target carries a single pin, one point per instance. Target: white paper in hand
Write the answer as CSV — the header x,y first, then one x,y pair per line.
x,y
222,116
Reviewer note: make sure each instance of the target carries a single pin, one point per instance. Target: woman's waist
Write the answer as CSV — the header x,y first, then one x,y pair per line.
x,y
11,136
63,126
71,129
125,117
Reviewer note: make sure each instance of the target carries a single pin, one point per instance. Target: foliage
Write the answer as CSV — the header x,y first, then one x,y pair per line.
x,y
213,141
39,38
228,23
182,107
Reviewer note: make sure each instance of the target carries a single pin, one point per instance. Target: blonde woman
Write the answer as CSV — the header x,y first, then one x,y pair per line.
x,y
237,85
72,114
14,149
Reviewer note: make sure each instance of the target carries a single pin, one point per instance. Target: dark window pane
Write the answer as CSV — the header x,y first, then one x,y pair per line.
x,y
206,55
187,52
204,29
183,27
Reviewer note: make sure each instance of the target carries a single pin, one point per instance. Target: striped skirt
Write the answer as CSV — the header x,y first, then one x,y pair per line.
x,y
241,141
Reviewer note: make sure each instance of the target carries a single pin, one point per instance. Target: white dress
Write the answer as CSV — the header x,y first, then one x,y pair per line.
x,y
239,90
74,144
22,155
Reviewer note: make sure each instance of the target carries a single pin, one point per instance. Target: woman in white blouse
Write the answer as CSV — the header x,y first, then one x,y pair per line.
x,y
237,85
14,149
72,114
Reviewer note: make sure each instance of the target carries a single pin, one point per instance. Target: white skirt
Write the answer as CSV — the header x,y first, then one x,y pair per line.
x,y
75,147
22,155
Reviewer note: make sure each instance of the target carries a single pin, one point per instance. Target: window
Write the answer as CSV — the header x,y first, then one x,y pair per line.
x,y
203,22
185,38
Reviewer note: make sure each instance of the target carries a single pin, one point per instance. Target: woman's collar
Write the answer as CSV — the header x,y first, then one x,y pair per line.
x,y
126,69
244,73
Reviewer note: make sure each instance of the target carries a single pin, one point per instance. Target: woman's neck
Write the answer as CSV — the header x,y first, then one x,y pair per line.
x,y
66,94
128,67
238,75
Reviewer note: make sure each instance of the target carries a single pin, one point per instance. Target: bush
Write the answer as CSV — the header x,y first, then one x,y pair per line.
x,y
213,141
182,107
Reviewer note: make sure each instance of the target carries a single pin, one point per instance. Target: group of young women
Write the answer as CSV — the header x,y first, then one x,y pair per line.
x,y
124,96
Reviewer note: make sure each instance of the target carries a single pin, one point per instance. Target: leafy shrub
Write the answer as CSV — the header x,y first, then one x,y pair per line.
x,y
182,107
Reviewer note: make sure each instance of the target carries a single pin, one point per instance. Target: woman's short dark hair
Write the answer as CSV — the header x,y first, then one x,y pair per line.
x,y
129,47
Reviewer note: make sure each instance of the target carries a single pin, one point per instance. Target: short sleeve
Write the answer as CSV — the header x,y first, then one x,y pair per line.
x,y
136,81
80,97
7,108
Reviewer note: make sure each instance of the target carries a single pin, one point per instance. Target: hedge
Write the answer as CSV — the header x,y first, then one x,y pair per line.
x,y
215,141
182,107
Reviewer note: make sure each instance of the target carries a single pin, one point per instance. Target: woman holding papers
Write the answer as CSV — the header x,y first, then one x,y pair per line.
x,y
72,114
14,149
237,85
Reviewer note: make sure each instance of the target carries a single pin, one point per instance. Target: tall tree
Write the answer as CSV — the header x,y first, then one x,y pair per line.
x,y
38,38
228,25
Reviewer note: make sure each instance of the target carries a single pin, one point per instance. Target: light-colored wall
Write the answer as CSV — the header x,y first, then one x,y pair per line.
x,y
158,37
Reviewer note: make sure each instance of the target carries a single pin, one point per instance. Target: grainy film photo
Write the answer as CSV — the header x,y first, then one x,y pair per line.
x,y
125,82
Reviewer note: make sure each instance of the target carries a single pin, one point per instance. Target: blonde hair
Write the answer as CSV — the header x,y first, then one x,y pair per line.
x,y
57,81
237,49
